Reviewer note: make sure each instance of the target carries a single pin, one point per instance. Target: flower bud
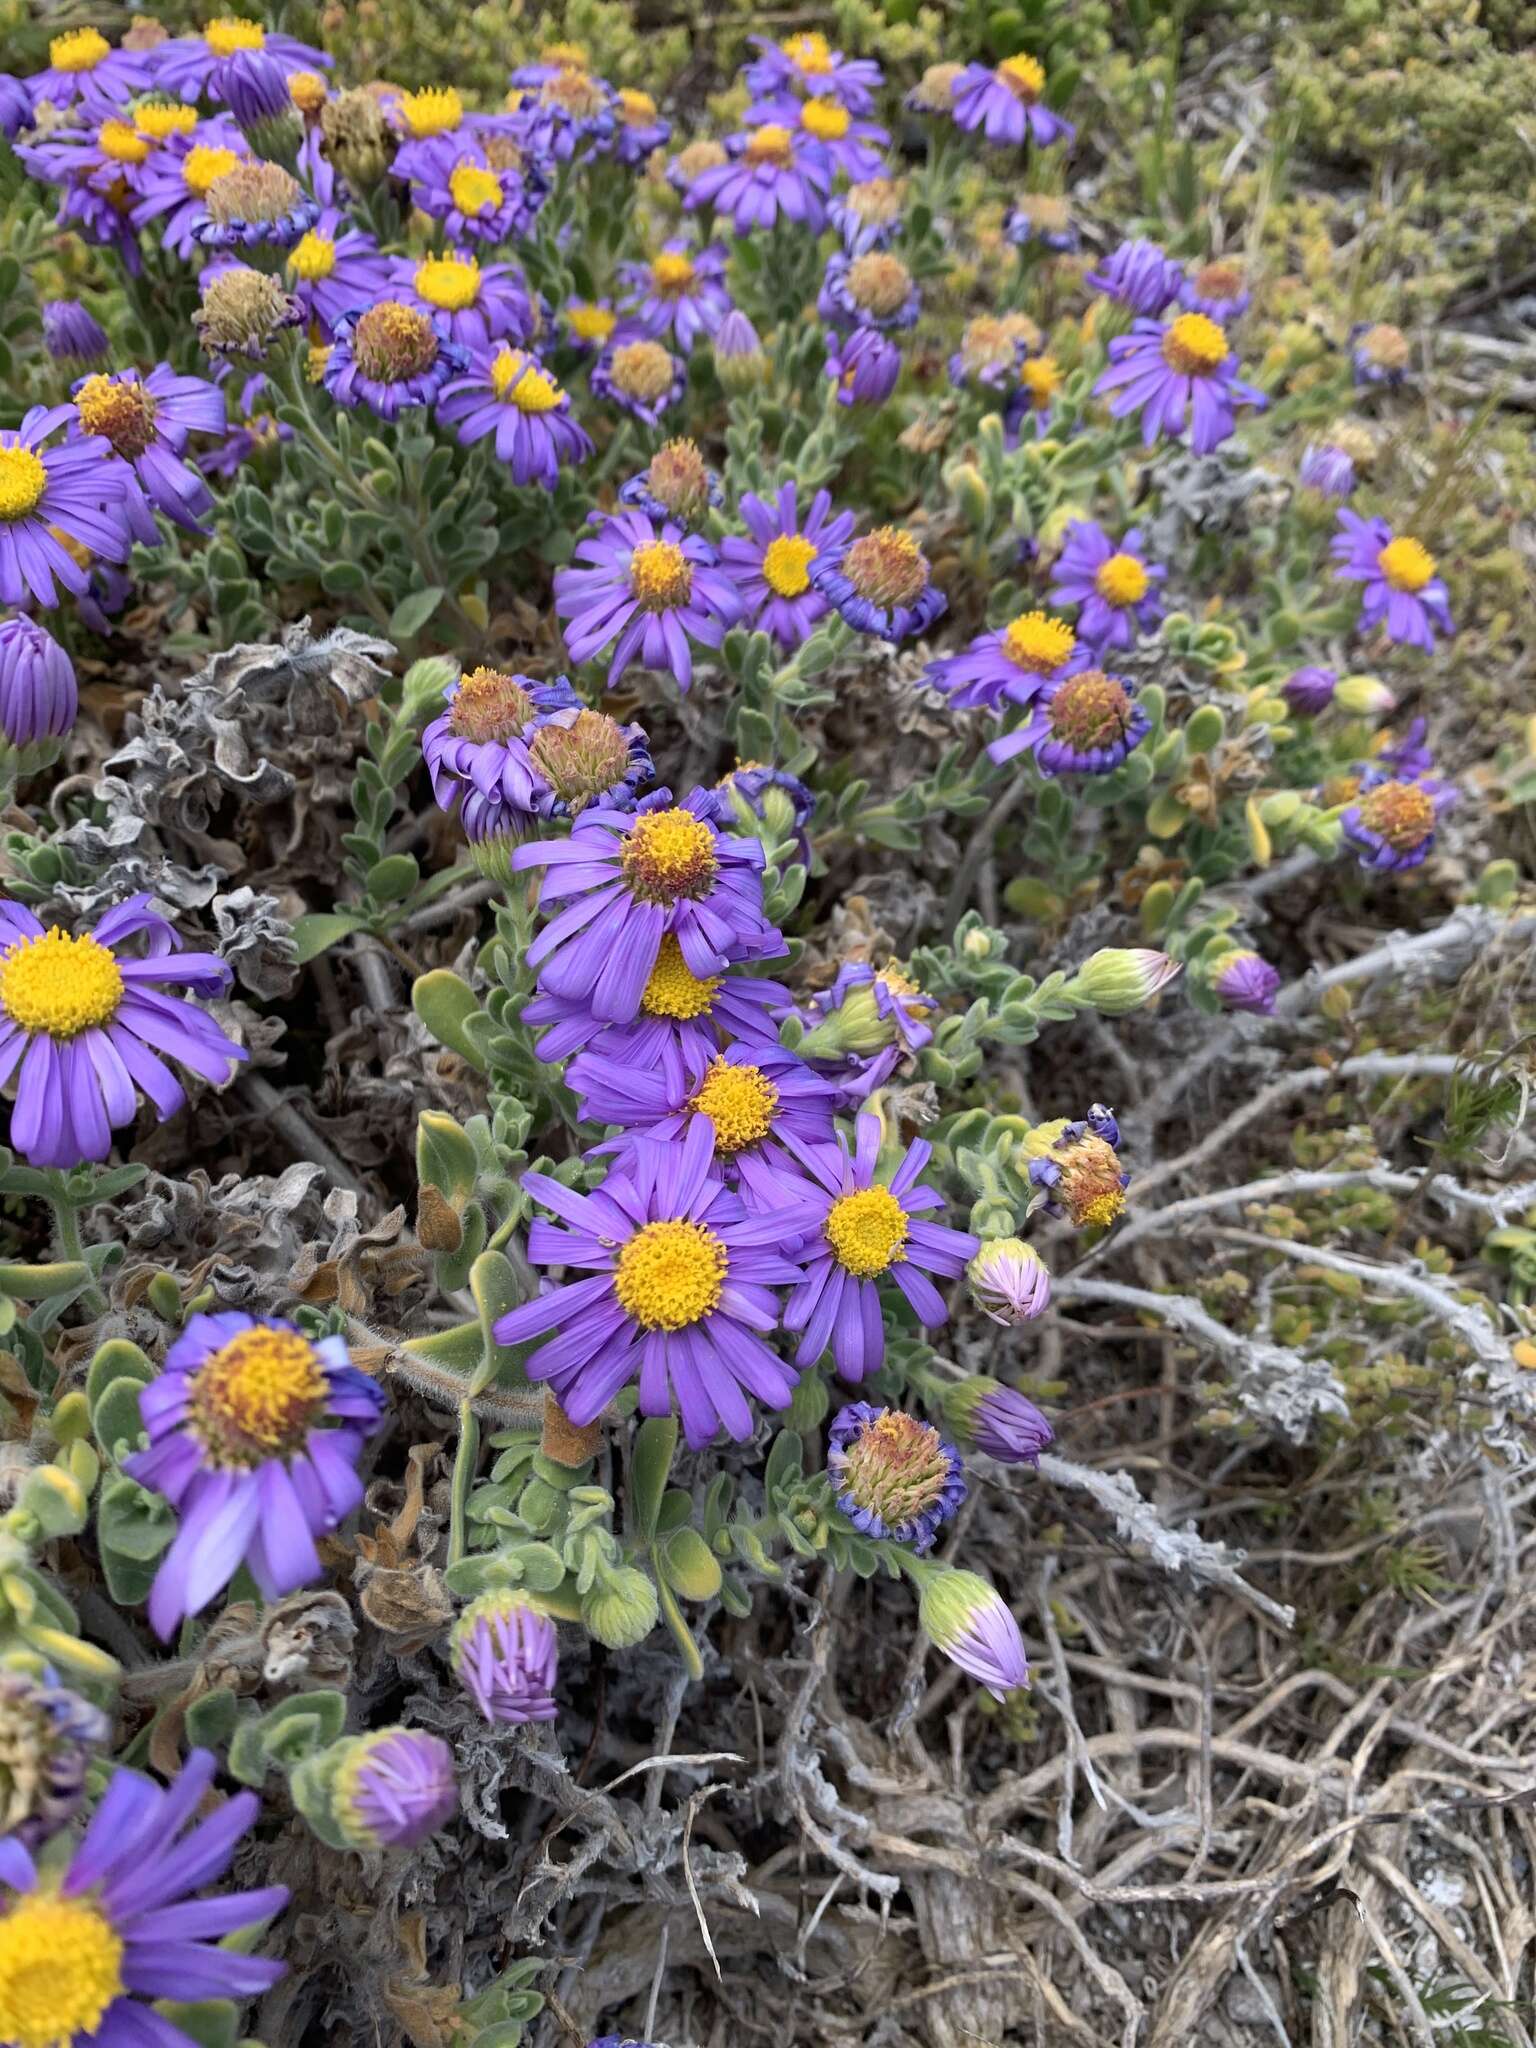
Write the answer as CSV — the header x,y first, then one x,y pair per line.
x,y
1364,696
1009,1281
969,1621
1309,691
505,1656
393,1788
38,695
739,360
1245,981
986,1416
357,137
621,1608
48,1736
257,95
72,333
1119,979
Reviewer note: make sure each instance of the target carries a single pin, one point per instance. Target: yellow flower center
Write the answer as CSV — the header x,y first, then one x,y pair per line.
x,y
1401,813
867,1232
661,576
308,91
1406,563
1194,346
825,119
518,381
436,110
642,369
810,52
160,119
1041,378
669,855
879,283
877,201
739,1102
313,258
771,144
670,1275
573,56
122,412
202,164
581,760
887,567
122,143
258,1394
23,480
1089,1188
450,282
489,706
1090,710
392,342
60,1968
81,50
1038,643
474,191
229,33
637,108
673,990
1121,580
787,563
60,985
671,271
590,323
1023,75
1100,1211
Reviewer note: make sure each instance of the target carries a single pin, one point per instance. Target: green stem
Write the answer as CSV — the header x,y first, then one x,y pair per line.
x,y
66,1224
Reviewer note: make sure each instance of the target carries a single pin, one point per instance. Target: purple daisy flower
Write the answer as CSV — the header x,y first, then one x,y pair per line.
x,y
1378,354
506,1657
87,1947
84,69
866,1232
640,375
72,333
870,214
988,1417
865,365
1402,591
39,697
459,180
1392,821
1309,691
395,1787
1076,1170
476,754
1111,580
1216,290
1004,102
1246,981
587,325
147,421
85,1026
971,1623
390,358
1009,1281
15,106
641,128
178,177
1327,470
50,496
333,270
679,1295
807,63
750,1094
1080,724
651,590
241,1447
675,484
1166,372
894,1476
1139,275
854,147
1043,220
1014,662
480,305
872,290
684,1019
194,67
626,883
771,563
880,584
509,393
572,115
109,159
680,292
771,172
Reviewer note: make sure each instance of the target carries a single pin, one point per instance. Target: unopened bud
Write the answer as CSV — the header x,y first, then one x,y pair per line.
x,y
1364,696
1009,1281
1119,979
621,1608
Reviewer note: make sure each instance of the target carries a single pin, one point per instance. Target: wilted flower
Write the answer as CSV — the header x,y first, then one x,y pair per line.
x,y
988,1417
585,759
772,563
1166,373
641,375
865,365
1392,822
1216,290
675,484
240,1447
390,358
1309,691
1111,580
1009,1281
880,584
704,155
48,1737
641,128
1245,981
1119,979
970,1622
477,756
1080,724
394,1787
1076,1169
357,138
505,1655
1139,275
85,1950
1327,470
1402,591
1005,102
38,694
865,1023
72,333
873,290
242,313
934,92
650,590
508,393
869,214
895,1477
1378,353
1043,219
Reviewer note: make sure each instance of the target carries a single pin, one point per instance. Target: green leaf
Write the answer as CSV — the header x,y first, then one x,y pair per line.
x,y
132,1522
688,1564
211,1719
672,1614
496,1290
319,930
786,1462
392,879
117,1359
36,1283
413,612
116,1418
445,1003
211,2023
655,1446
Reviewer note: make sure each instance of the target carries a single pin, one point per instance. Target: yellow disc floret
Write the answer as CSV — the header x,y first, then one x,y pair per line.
x,y
23,479
670,1275
810,52
660,575
82,49
473,190
673,990
313,257
590,323
637,108
1039,643
1194,346
1041,378
770,144
61,1966
60,985
867,1232
669,855
1023,75
231,33
257,1396
120,410
739,1101
787,563
1406,563
1121,580
449,282
642,370
203,163
122,143
826,120
161,119
437,110
518,381
1401,813
671,271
